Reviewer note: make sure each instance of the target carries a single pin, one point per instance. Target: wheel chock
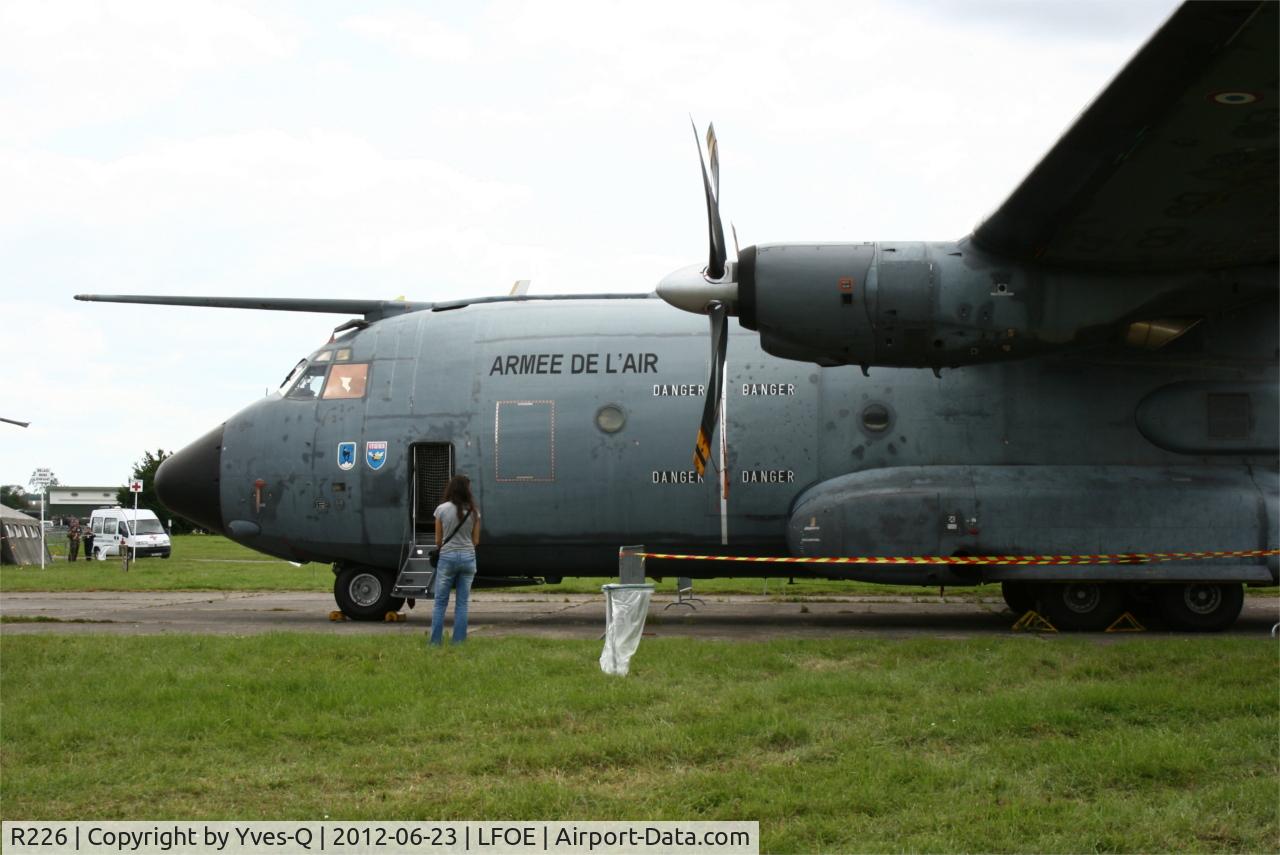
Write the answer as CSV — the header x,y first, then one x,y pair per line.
x,y
337,616
1033,621
394,617
1126,623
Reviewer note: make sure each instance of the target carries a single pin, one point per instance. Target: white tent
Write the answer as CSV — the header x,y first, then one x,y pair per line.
x,y
19,537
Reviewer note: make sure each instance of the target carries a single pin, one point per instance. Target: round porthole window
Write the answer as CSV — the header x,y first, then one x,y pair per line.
x,y
875,418
610,418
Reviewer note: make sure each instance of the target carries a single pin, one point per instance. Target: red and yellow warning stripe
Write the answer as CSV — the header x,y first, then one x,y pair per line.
x,y
1115,558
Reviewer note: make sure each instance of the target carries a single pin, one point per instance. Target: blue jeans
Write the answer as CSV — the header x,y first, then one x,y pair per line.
x,y
455,570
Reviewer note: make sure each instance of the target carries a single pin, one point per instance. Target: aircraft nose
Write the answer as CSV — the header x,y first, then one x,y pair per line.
x,y
188,483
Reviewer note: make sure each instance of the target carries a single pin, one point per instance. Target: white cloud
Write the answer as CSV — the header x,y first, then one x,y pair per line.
x,y
252,178
293,150
82,62
414,32
88,393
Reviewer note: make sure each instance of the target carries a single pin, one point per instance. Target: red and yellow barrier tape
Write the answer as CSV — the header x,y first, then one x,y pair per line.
x,y
1119,558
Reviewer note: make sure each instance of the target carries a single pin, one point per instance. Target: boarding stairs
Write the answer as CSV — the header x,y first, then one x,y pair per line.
x,y
416,573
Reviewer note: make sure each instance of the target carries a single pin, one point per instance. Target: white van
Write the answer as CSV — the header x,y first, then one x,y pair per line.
x,y
114,528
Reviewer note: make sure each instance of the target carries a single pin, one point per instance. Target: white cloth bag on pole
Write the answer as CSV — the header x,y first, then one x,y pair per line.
x,y
625,610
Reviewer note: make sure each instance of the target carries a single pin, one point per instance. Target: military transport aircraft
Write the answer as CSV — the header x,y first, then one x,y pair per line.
x,y
1092,371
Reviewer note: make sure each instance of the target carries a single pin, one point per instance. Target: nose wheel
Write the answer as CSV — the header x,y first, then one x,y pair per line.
x,y
364,593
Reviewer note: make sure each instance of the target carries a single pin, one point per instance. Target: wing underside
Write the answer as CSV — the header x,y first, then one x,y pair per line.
x,y
1173,166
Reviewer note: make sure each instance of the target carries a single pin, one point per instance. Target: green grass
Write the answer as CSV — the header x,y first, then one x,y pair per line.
x,y
199,563
1010,744
213,563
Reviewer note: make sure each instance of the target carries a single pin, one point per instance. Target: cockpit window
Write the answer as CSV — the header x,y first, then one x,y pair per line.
x,y
323,356
344,354
347,381
309,384
292,375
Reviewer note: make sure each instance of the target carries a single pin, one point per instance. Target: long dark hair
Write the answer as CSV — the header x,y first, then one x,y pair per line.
x,y
458,491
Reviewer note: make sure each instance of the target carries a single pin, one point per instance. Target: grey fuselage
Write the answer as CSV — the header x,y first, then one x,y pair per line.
x,y
518,388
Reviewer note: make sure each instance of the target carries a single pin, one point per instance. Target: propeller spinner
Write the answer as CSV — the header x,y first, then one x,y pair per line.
x,y
710,290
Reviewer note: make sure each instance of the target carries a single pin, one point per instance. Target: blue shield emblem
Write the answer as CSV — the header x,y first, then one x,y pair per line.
x,y
346,455
375,454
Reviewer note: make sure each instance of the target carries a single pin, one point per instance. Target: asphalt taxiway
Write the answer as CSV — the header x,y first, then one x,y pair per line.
x,y
729,617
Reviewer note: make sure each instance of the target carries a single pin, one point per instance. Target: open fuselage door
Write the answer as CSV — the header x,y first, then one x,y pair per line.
x,y
432,468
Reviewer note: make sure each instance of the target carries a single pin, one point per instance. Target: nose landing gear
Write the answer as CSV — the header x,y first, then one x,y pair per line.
x,y
364,593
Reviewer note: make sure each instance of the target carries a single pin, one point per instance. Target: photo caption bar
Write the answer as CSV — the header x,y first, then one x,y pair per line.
x,y
355,838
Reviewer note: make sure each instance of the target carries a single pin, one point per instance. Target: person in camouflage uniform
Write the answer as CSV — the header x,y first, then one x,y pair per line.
x,y
73,539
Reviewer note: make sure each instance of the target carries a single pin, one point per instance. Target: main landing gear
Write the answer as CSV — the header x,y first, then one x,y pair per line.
x,y
1200,606
1020,597
1081,606
1094,606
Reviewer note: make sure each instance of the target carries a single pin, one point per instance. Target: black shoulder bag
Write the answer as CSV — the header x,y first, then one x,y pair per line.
x,y
434,555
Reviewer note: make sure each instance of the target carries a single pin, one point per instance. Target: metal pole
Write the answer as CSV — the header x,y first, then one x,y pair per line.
x,y
724,459
631,565
42,546
135,526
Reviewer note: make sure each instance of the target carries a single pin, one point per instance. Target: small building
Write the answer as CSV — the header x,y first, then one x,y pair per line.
x,y
19,537
78,502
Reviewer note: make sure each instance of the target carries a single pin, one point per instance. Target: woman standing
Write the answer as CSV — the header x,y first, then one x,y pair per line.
x,y
457,535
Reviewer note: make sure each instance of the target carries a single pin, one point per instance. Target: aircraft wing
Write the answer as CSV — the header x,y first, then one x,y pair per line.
x,y
371,309
1173,166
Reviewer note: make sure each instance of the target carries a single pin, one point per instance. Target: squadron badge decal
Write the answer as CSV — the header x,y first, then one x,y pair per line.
x,y
346,455
375,454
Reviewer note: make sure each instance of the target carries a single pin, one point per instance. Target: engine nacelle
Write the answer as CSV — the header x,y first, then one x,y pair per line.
x,y
903,305
942,305
808,301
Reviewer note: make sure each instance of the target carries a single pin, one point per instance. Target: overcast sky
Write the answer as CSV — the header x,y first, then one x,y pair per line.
x,y
444,150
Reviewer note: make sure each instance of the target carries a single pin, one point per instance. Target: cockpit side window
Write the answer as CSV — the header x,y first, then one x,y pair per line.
x,y
347,381
309,384
292,376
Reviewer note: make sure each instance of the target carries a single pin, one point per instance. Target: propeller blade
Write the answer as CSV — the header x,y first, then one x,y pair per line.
x,y
15,422
719,318
715,231
713,155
